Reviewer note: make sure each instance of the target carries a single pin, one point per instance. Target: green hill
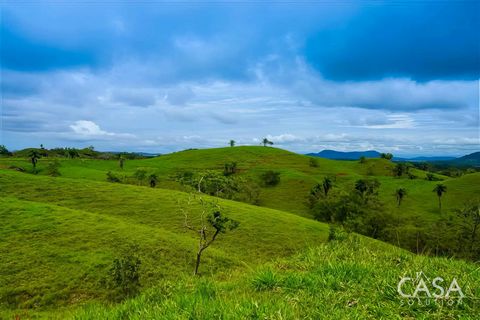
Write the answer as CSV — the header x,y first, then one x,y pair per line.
x,y
60,236
67,233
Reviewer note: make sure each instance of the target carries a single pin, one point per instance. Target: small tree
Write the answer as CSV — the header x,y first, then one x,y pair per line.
x,y
4,151
312,162
266,142
363,159
232,143
440,189
211,223
387,156
230,168
400,193
327,184
153,180
121,162
34,156
367,188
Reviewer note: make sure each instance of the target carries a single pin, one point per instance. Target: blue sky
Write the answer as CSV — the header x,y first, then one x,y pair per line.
x,y
396,76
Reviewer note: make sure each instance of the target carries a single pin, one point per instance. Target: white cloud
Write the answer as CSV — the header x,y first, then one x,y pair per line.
x,y
90,129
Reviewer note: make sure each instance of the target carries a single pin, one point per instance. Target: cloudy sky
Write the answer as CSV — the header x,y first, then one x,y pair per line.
x,y
395,76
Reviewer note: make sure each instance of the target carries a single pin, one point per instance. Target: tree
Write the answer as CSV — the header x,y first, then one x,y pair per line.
x,y
312,162
232,143
211,223
230,168
266,142
387,156
367,188
327,184
470,215
34,156
400,169
4,151
400,193
440,189
363,159
153,180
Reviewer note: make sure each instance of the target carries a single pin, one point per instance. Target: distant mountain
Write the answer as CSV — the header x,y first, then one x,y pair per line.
x,y
339,155
425,159
472,159
468,160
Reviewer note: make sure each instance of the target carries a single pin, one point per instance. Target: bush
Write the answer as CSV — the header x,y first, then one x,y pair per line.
x,y
112,178
271,178
52,168
125,272
230,168
313,162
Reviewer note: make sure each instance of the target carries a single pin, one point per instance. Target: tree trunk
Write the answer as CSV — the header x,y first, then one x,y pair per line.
x,y
197,263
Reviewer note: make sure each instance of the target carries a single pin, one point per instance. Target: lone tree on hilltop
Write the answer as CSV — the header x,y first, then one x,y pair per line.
x,y
211,223
387,156
440,189
232,143
400,193
266,142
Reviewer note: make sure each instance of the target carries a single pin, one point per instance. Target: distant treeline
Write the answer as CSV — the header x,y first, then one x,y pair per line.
x,y
89,153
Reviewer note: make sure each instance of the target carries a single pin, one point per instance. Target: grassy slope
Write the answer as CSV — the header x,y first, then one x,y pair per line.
x,y
66,232
297,176
351,279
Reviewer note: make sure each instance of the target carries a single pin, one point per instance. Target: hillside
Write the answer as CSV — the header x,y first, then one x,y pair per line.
x,y
67,232
350,278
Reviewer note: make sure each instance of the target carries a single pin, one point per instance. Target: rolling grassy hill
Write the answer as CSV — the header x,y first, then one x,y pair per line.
x,y
60,235
66,233
296,173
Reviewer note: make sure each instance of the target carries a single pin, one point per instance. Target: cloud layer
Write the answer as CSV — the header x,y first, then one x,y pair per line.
x,y
308,77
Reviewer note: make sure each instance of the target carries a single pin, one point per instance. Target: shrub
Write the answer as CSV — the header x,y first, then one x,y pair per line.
x,y
313,162
52,168
271,178
230,168
112,177
125,272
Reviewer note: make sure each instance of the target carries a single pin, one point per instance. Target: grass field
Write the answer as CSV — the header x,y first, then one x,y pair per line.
x,y
60,235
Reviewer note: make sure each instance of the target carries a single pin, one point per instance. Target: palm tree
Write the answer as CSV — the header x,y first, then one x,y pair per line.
x,y
400,193
327,185
232,143
34,156
440,189
266,142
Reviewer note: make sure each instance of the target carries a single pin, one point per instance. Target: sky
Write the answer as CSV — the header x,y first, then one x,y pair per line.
x,y
151,76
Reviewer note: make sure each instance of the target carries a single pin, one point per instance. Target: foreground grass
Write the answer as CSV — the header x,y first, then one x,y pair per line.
x,y
351,279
